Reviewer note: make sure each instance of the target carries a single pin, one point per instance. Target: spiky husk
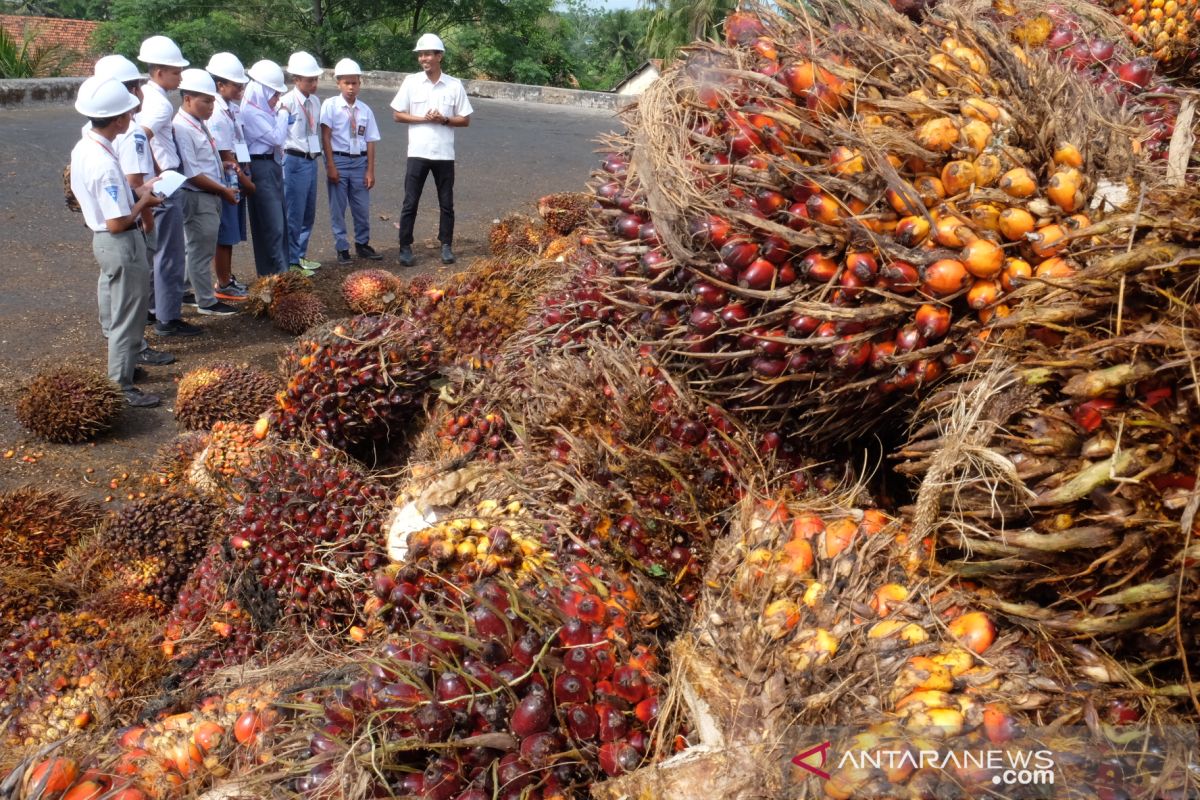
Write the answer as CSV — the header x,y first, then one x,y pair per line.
x,y
563,212
296,312
37,526
518,236
370,291
224,392
69,404
356,383
265,290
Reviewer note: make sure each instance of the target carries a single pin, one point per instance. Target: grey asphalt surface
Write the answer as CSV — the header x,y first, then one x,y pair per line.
x,y
510,155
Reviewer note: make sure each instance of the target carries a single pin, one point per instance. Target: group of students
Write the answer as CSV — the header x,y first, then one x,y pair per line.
x,y
247,149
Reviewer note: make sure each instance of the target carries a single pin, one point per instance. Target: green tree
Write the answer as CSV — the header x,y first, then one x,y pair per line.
x,y
675,23
24,59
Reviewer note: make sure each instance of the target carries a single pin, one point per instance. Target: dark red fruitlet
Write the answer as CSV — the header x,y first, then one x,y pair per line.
x,y
533,714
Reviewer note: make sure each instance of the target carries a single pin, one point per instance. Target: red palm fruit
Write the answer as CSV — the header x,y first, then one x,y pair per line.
x,y
739,253
630,684
616,163
655,263
801,325
607,193
648,234
770,202
474,793
613,724
850,356
247,727
775,249
527,647
765,367
582,721
908,339
881,354
647,711
433,721
704,321
724,273
488,624
442,779
603,655
541,749
533,714
759,275
580,661
708,295
712,230
796,216
734,314
617,758
900,277
933,322
590,608
513,772
627,226
453,690
863,265
852,285
786,275
818,268
571,688
768,343
574,633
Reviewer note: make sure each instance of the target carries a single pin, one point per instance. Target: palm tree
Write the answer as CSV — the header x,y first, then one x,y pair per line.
x,y
24,59
617,38
675,23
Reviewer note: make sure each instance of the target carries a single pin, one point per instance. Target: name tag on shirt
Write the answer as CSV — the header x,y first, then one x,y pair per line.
x,y
314,143
241,152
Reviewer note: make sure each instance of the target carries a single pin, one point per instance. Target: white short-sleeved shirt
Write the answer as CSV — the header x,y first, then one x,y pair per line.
x,y
157,115
98,182
418,95
226,124
337,114
306,121
133,148
197,150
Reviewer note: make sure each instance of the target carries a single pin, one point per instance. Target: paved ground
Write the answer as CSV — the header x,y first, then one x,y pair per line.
x,y
512,154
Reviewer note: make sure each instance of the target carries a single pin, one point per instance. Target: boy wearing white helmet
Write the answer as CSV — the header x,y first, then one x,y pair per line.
x,y
432,104
133,152
348,136
266,125
165,64
226,126
301,150
205,188
113,210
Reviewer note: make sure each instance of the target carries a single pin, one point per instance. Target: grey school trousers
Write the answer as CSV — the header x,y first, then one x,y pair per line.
x,y
201,221
169,259
268,223
125,281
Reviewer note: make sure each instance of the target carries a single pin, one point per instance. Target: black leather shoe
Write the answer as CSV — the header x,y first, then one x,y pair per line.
x,y
344,257
139,374
447,254
155,358
367,252
138,399
406,255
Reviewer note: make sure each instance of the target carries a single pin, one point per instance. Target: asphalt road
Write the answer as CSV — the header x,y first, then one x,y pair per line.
x,y
510,155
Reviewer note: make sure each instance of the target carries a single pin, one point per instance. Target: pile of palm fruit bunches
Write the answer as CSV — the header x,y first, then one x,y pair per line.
x,y
837,441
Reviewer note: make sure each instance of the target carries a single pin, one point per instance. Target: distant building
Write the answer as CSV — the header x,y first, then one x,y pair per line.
x,y
636,82
68,35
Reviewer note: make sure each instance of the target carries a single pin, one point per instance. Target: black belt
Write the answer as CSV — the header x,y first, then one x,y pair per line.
x,y
261,156
348,155
299,154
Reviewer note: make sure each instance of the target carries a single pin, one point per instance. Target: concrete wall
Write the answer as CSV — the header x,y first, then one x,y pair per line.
x,y
63,90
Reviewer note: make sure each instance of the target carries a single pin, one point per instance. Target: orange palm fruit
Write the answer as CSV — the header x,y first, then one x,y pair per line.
x,y
983,293
1068,155
1047,241
838,536
949,230
980,109
779,618
987,170
1015,223
846,162
1055,268
986,216
957,176
1065,189
905,200
944,277
974,630
939,135
911,231
797,557
972,59
976,135
930,189
53,776
887,597
983,258
1018,182
807,526
1015,273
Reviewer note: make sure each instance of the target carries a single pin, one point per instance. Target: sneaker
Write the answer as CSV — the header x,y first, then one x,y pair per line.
x,y
406,255
155,358
231,291
344,257
138,399
177,327
151,319
217,309
189,299
236,284
308,263
368,252
299,270
447,254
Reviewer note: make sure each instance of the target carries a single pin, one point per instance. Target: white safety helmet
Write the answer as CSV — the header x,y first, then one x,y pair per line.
x,y
269,74
347,66
199,81
162,51
303,65
429,41
117,67
101,98
227,66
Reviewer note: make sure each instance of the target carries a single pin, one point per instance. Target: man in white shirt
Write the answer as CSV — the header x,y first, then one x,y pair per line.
x,y
165,64
114,217
432,104
205,189
301,151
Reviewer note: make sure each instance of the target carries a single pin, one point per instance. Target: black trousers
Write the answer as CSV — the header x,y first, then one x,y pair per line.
x,y
414,181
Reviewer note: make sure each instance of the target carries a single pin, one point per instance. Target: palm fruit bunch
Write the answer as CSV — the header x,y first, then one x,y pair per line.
x,y
296,312
310,533
808,243
223,391
562,248
233,453
27,593
142,555
37,526
264,291
1164,29
550,683
174,459
518,235
61,672
69,404
219,618
370,291
563,212
355,383
475,426
1093,46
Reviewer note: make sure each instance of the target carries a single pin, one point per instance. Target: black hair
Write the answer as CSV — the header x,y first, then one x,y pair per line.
x,y
103,122
189,93
136,83
219,81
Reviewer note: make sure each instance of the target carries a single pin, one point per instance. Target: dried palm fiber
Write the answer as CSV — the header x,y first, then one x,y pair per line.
x,y
38,525
64,672
785,241
796,643
517,236
174,458
26,593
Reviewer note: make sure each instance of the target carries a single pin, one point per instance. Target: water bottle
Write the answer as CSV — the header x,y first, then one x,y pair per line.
x,y
231,180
